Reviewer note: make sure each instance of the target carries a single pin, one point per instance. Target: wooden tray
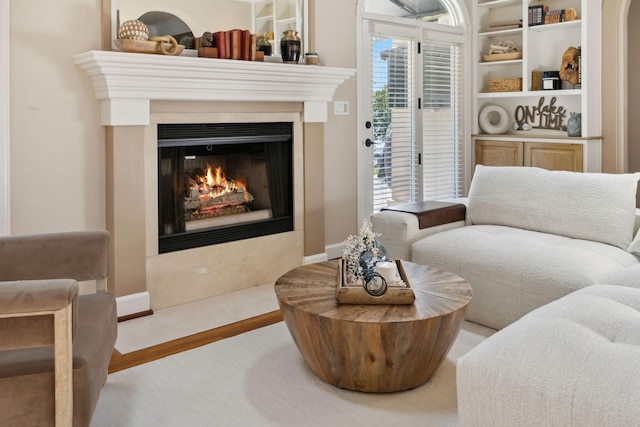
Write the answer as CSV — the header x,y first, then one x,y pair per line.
x,y
354,293
502,56
155,47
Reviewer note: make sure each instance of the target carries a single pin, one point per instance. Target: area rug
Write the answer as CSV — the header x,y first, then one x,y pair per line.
x,y
260,379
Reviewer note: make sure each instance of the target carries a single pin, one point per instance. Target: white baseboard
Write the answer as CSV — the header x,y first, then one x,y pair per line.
x,y
334,251
133,304
312,259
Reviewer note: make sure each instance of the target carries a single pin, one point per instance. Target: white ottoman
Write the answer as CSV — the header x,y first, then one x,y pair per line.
x,y
572,362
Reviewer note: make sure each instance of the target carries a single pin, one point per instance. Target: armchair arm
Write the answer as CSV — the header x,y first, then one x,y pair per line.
x,y
23,305
40,299
27,296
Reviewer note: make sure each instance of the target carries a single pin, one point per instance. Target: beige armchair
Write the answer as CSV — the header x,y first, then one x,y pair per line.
x,y
55,345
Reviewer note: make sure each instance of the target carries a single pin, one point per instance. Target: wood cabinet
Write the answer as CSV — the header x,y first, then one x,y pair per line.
x,y
547,155
499,153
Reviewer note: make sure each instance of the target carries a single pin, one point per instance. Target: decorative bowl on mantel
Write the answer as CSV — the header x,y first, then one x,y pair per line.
x,y
165,45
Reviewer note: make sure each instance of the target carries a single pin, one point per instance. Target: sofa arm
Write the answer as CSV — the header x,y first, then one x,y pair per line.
x,y
399,230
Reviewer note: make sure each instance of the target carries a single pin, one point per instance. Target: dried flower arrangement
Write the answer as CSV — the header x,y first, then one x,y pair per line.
x,y
360,252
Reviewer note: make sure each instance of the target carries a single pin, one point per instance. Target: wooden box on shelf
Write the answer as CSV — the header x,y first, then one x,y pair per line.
x,y
355,293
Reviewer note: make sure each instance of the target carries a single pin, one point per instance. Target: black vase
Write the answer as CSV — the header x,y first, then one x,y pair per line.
x,y
290,47
262,44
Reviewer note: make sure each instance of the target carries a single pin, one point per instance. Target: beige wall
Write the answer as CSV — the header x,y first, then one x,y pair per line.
x,y
334,36
614,107
633,57
58,145
199,15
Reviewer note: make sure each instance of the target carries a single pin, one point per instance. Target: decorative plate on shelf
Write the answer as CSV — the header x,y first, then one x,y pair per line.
x,y
502,56
166,45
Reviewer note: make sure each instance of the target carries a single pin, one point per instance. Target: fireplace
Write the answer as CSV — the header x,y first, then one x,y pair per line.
x,y
222,182
137,93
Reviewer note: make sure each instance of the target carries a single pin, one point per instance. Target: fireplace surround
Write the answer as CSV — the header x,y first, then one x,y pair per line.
x,y
137,93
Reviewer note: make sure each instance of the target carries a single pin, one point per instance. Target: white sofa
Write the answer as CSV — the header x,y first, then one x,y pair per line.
x,y
573,362
530,237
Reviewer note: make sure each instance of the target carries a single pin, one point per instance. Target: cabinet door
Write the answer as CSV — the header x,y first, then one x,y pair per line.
x,y
552,156
499,153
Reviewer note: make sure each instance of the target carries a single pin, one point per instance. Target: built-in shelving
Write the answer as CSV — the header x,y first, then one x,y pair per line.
x,y
542,48
273,17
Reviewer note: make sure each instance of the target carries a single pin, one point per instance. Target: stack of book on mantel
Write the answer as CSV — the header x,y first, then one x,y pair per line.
x,y
505,25
233,44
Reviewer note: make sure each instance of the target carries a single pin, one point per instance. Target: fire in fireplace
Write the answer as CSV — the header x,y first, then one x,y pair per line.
x,y
220,182
210,195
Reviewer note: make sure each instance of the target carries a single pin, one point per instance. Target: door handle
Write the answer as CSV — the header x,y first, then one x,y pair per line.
x,y
368,142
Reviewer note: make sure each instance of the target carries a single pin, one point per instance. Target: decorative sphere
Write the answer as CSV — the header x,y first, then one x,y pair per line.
x,y
133,30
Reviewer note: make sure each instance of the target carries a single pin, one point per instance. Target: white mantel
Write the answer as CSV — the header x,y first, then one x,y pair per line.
x,y
126,83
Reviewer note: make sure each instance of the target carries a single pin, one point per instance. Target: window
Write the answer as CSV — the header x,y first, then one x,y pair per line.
x,y
442,135
412,103
418,131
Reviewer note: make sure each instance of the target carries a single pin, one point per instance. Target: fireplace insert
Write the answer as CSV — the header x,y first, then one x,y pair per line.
x,y
221,182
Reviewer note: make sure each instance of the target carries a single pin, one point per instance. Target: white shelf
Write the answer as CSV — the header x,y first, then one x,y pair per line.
x,y
556,27
561,92
500,33
499,94
287,21
499,63
531,94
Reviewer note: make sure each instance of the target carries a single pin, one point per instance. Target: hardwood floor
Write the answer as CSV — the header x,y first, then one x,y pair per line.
x,y
120,361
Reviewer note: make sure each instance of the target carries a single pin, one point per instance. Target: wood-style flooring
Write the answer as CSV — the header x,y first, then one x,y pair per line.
x,y
120,361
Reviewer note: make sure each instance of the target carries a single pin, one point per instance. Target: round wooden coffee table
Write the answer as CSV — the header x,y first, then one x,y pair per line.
x,y
372,348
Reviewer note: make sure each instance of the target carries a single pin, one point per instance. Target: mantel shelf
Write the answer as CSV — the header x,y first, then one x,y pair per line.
x,y
125,83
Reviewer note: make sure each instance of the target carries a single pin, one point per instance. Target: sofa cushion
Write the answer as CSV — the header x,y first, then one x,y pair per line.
x,y
634,247
591,206
573,362
513,271
630,276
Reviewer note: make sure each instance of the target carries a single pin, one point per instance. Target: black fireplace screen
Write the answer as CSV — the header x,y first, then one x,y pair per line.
x,y
221,182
